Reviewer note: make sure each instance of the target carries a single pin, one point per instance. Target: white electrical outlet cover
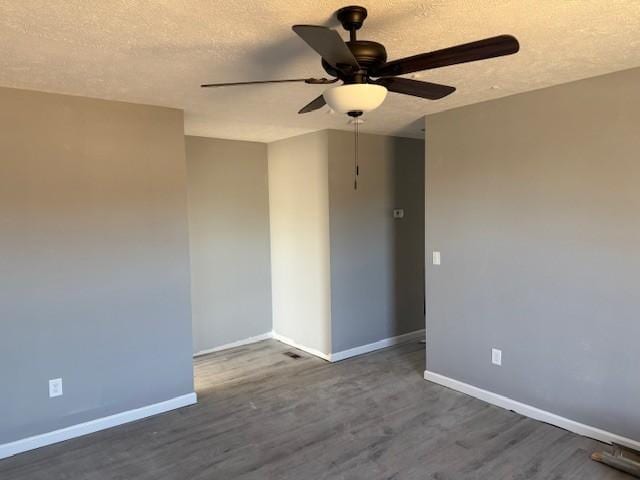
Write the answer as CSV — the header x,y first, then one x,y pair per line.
x,y
55,387
436,258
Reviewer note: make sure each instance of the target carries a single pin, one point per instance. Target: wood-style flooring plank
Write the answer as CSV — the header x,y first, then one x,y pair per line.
x,y
263,415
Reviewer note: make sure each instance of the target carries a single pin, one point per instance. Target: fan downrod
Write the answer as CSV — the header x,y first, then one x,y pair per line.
x,y
368,54
352,18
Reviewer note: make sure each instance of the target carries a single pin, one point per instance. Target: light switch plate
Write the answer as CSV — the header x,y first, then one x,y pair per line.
x,y
496,356
436,258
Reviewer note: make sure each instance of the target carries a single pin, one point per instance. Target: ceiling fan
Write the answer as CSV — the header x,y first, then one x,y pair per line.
x,y
366,75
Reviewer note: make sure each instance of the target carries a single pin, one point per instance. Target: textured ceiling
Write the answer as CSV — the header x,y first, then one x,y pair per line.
x,y
159,51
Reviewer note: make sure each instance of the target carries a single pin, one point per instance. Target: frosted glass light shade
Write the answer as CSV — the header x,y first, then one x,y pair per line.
x,y
355,97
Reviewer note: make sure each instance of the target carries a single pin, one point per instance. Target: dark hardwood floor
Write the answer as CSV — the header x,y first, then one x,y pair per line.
x,y
263,415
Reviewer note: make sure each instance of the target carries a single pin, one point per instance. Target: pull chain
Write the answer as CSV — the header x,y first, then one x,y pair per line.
x,y
356,166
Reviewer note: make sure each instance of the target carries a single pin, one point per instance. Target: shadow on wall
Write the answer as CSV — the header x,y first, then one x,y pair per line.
x,y
377,262
408,234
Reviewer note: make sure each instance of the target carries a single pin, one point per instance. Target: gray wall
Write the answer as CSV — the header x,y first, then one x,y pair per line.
x,y
94,259
534,201
229,236
377,263
299,214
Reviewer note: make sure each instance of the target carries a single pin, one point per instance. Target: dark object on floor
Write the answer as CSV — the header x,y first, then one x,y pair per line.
x,y
293,355
622,458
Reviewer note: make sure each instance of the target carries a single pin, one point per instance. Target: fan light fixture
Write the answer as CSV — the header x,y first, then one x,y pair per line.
x,y
355,97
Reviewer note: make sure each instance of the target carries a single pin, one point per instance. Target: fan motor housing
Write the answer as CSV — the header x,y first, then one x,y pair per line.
x,y
368,54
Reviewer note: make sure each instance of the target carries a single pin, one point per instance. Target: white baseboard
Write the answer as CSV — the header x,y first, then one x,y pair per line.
x,y
386,342
37,441
332,357
531,412
265,336
294,344
239,343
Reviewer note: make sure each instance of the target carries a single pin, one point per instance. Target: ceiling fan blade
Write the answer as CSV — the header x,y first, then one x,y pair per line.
x,y
468,52
329,44
432,91
315,104
313,81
